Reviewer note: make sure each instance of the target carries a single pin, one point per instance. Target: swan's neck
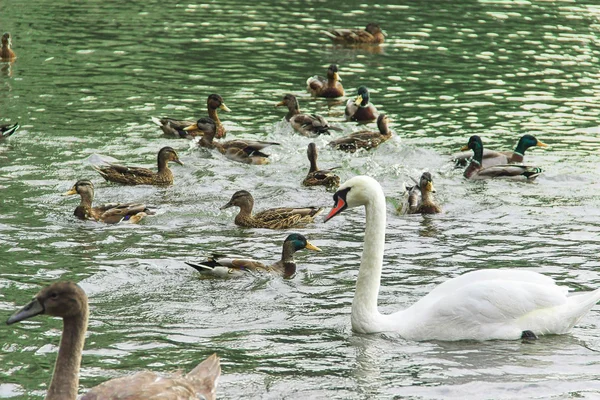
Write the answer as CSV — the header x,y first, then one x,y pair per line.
x,y
365,316
65,379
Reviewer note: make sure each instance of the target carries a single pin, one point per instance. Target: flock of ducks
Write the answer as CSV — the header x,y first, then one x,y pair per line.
x,y
480,305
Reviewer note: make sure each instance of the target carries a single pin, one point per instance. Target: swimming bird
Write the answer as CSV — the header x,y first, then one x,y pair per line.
x,y
329,87
476,171
420,197
360,109
68,301
7,129
372,34
309,125
139,175
6,52
111,213
364,139
485,304
174,127
240,150
228,267
491,157
273,218
316,176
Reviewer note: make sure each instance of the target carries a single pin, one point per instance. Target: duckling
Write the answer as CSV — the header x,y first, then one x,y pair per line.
x,y
7,130
6,53
420,197
309,125
372,34
364,139
476,171
316,176
359,109
142,176
173,127
68,301
273,218
329,87
224,267
240,150
108,213
491,157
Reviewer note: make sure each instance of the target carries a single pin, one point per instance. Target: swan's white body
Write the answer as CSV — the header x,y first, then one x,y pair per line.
x,y
479,305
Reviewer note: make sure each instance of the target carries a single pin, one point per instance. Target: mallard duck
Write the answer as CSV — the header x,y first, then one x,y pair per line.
x,y
142,176
372,34
7,130
240,150
108,213
316,176
476,171
329,87
420,197
309,125
359,109
273,218
6,53
173,127
491,157
487,304
364,139
227,267
68,301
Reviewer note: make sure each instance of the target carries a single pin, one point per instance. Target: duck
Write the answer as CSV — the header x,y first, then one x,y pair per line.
x,y
142,176
514,171
6,53
240,150
226,267
273,218
174,127
486,304
491,157
316,176
329,87
372,34
420,196
67,300
111,213
309,125
8,129
364,139
359,109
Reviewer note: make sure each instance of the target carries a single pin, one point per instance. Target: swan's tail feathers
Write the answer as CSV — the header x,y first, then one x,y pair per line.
x,y
206,377
582,303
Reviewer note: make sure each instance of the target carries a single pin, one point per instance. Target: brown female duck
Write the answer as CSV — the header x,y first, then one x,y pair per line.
x,y
491,157
316,176
6,53
240,150
228,267
359,109
68,301
309,125
364,139
329,87
173,127
273,218
142,176
420,197
111,213
7,129
372,34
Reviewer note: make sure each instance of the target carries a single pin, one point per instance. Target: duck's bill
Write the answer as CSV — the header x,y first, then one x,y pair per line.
x,y
429,187
281,103
70,192
337,77
226,206
224,107
178,161
311,246
464,148
540,144
30,310
192,127
358,100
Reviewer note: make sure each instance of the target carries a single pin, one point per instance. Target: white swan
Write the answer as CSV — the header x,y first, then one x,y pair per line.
x,y
480,305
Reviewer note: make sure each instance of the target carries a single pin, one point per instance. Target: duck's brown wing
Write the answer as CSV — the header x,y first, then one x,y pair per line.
x,y
310,125
122,173
350,36
114,213
358,140
287,212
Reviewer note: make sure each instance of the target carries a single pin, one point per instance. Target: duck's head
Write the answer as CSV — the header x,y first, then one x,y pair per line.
x,y
426,182
363,97
382,123
215,101
6,40
205,124
311,151
474,144
373,28
83,187
168,154
358,191
290,101
241,198
299,242
528,141
61,299
332,73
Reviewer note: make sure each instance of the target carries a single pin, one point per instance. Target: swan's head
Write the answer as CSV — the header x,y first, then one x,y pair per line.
x,y
358,191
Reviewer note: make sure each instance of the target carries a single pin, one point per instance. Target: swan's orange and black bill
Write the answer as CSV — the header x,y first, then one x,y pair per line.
x,y
340,204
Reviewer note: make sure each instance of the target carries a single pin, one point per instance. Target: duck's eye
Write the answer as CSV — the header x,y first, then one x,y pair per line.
x,y
54,295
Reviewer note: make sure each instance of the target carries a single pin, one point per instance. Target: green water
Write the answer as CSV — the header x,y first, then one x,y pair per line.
x,y
89,76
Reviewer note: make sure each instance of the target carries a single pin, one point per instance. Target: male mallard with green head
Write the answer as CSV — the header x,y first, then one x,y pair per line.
x,y
491,157
360,109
